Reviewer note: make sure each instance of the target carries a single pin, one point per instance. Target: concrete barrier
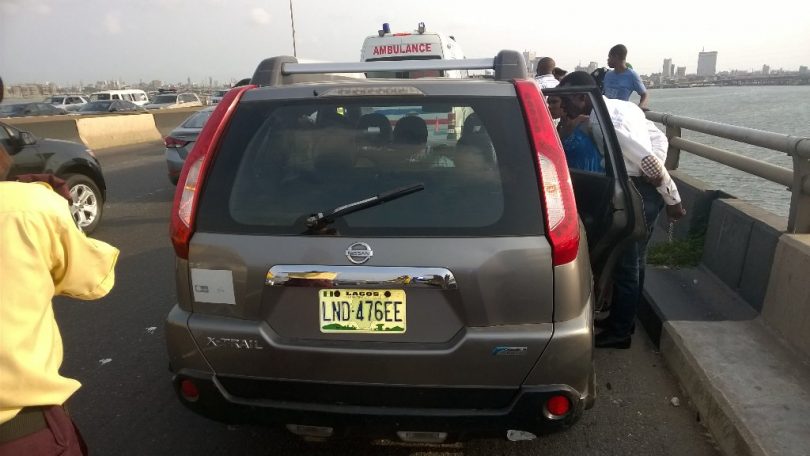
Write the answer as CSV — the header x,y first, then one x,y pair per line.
x,y
740,243
99,132
167,120
121,130
787,303
56,127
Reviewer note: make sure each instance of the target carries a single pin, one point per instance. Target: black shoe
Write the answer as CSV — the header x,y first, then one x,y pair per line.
x,y
608,339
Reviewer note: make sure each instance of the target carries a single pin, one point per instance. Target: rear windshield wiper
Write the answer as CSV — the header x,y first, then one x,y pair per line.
x,y
317,222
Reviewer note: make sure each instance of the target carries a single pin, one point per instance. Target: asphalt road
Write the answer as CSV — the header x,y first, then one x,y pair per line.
x,y
115,347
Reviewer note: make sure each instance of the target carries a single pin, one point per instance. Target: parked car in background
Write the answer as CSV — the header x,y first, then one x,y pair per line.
x,y
181,139
107,107
30,109
71,161
174,100
67,102
216,96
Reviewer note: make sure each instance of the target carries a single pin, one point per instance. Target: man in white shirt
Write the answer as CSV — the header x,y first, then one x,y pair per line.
x,y
644,150
545,77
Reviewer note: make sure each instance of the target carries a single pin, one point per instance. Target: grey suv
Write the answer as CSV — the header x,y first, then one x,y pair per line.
x,y
402,257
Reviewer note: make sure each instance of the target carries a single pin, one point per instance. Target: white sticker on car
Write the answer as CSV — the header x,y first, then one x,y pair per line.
x,y
214,286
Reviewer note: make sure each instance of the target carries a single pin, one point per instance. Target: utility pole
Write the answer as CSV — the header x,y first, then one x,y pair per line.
x,y
292,24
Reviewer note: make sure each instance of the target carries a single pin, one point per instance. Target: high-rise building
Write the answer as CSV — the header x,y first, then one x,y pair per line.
x,y
590,68
681,72
766,70
667,71
707,63
530,57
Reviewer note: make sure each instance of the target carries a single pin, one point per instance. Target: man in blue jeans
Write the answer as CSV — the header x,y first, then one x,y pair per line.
x,y
643,148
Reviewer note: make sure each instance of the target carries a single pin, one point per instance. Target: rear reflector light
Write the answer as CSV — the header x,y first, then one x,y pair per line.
x,y
422,437
558,406
189,390
559,205
192,176
310,431
173,143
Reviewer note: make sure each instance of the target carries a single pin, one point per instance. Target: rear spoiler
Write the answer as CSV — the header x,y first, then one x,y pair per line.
x,y
282,70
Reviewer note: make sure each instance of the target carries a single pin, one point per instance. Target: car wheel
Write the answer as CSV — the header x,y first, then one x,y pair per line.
x,y
88,204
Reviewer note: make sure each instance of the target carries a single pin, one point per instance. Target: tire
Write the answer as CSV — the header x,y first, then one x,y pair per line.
x,y
88,204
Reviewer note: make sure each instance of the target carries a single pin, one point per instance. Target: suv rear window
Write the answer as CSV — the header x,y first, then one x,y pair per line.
x,y
281,162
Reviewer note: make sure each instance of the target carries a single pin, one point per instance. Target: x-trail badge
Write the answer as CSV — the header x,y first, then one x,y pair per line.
x,y
359,252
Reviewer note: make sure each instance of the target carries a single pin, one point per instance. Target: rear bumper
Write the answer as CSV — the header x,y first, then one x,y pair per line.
x,y
525,410
174,163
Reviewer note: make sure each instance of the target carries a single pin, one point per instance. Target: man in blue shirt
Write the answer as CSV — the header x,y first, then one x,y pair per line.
x,y
621,81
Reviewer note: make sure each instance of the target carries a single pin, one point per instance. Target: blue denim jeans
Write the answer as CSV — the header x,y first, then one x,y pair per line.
x,y
628,274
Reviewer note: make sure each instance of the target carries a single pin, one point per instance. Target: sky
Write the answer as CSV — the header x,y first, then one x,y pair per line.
x,y
68,41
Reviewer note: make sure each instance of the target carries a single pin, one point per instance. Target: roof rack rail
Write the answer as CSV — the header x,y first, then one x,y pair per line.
x,y
285,69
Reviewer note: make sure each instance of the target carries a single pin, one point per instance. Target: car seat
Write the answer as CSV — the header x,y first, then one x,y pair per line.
x,y
410,130
374,129
474,135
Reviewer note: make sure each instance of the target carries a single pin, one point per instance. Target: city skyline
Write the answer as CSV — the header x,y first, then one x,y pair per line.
x,y
173,40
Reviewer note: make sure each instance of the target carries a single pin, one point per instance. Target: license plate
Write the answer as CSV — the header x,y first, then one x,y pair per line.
x,y
362,311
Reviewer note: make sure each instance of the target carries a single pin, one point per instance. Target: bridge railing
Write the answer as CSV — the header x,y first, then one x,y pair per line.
x,y
796,180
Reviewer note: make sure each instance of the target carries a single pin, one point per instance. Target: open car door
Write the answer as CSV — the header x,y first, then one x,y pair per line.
x,y
608,203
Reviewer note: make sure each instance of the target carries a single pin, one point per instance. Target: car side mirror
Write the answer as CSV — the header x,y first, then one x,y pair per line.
x,y
27,138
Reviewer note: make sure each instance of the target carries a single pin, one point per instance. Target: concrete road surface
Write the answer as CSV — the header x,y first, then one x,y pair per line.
x,y
126,406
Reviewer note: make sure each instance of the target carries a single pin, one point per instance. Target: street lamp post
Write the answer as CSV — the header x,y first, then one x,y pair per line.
x,y
292,24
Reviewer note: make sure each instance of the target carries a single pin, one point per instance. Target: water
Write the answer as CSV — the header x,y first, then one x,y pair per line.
x,y
780,109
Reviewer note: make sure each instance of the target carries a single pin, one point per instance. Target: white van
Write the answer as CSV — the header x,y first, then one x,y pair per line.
x,y
417,45
134,95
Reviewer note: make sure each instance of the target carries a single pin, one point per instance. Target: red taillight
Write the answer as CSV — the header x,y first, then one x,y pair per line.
x,y
195,168
189,390
559,205
558,406
173,143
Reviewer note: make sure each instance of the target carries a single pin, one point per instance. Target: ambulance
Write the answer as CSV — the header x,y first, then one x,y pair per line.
x,y
416,45
419,45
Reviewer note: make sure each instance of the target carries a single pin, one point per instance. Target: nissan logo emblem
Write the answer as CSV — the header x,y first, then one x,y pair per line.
x,y
359,252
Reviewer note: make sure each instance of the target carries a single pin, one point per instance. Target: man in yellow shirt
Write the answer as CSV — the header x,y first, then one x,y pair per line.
x,y
42,254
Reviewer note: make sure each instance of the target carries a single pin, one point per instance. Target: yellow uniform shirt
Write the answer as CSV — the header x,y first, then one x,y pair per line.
x,y
42,254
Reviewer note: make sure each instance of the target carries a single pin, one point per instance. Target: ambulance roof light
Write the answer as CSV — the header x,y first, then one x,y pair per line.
x,y
421,28
386,29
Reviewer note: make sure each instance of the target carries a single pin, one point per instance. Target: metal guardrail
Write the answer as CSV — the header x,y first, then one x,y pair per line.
x,y
797,180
